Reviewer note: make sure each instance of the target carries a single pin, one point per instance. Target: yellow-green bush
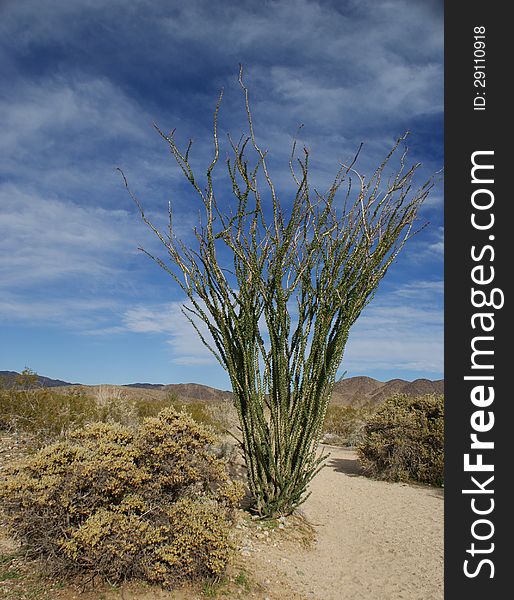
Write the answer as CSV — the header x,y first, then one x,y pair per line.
x,y
344,425
405,440
199,411
150,502
151,407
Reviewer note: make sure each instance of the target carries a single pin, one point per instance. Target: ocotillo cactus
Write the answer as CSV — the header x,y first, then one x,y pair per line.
x,y
279,320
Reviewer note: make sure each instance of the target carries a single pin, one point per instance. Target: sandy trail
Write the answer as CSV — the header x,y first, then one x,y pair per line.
x,y
375,540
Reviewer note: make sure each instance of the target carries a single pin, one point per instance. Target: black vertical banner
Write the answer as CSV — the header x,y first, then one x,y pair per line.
x,y
479,238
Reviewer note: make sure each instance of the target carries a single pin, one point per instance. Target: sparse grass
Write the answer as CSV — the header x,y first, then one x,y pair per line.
x,y
238,584
7,571
242,580
213,589
23,580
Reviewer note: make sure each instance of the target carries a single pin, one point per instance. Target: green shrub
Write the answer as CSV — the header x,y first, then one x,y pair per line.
x,y
199,411
405,440
151,407
344,425
150,502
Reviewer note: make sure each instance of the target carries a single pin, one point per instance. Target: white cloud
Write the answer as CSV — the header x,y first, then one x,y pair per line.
x,y
76,113
168,319
429,247
71,312
402,330
48,239
65,135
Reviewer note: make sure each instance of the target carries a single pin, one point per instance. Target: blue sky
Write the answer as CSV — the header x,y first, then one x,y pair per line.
x,y
82,83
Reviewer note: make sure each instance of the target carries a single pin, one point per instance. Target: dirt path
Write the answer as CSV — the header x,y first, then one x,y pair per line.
x,y
375,540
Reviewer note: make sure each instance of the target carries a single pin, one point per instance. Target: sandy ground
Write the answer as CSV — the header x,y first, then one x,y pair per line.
x,y
375,540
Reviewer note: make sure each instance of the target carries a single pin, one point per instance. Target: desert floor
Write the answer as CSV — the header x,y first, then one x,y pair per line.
x,y
373,540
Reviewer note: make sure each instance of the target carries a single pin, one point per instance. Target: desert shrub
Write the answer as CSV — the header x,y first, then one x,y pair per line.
x,y
151,407
344,425
219,416
112,406
198,411
405,440
44,412
150,502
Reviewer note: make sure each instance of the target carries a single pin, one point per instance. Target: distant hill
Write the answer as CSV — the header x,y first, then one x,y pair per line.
x,y
186,391
145,386
357,391
8,378
196,391
354,391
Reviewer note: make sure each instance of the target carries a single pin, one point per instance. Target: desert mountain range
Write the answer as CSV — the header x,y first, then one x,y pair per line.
x,y
353,391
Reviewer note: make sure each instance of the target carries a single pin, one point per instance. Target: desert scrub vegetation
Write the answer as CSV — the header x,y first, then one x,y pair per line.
x,y
219,416
25,406
111,406
151,407
200,412
45,413
150,502
274,286
404,440
345,425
